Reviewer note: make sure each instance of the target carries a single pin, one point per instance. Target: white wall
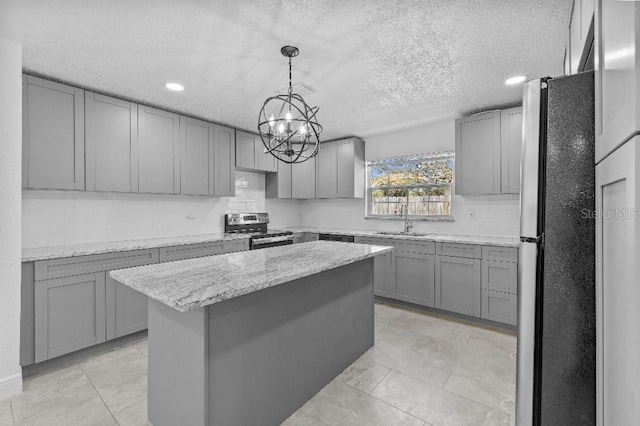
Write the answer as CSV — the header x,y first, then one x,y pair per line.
x,y
10,206
494,215
74,217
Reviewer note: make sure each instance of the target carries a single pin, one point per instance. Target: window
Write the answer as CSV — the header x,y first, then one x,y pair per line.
x,y
420,185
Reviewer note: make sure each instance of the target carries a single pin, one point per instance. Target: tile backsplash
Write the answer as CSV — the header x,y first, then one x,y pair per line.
x,y
73,217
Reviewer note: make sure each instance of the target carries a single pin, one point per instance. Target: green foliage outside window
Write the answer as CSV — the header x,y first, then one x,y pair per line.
x,y
422,184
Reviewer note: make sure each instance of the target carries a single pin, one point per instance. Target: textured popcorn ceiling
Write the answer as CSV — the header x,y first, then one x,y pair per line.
x,y
376,65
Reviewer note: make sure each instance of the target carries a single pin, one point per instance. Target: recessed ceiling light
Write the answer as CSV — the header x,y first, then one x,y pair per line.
x,y
174,86
515,80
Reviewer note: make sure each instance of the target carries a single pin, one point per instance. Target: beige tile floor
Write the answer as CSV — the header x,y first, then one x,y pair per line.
x,y
423,370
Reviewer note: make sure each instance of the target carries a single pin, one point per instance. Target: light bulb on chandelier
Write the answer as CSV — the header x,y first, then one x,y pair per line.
x,y
299,119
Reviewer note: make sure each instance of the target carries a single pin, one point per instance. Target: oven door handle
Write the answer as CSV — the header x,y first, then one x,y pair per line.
x,y
268,240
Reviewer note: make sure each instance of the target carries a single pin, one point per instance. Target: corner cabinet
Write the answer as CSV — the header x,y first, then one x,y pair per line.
x,y
617,79
340,169
488,149
111,143
250,155
292,181
52,135
158,151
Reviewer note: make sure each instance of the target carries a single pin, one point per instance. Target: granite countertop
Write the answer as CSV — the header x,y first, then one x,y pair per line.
x,y
56,252
190,284
460,239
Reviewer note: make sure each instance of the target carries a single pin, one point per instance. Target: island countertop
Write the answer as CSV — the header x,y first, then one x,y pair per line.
x,y
191,284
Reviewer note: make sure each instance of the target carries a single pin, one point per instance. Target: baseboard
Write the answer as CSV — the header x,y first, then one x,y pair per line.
x,y
10,386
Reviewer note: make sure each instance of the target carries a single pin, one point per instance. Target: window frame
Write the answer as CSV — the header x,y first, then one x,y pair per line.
x,y
404,160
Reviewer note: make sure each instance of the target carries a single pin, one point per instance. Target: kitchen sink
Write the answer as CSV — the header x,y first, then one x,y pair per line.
x,y
401,233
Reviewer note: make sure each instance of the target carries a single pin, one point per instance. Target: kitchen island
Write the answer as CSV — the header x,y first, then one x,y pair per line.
x,y
248,337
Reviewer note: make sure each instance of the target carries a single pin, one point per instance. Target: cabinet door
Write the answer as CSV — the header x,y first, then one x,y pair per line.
x,y
159,151
383,275
478,154
224,162
415,278
617,74
126,309
111,144
197,156
344,168
278,185
52,135
326,171
264,160
245,151
511,149
458,285
500,307
500,276
617,289
303,179
69,314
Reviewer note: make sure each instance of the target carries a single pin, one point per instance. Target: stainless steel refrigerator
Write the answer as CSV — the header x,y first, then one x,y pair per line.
x,y
556,377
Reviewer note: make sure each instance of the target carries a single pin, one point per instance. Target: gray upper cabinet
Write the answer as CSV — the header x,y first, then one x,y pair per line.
x,y
250,154
458,285
224,162
158,151
278,185
197,140
326,171
111,144
52,135
511,149
488,149
478,154
340,169
303,179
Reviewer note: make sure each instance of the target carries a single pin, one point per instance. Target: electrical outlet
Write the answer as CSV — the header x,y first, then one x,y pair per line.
x,y
191,215
471,214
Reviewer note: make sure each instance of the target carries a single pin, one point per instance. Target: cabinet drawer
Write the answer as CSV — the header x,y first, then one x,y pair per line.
x,y
70,266
168,254
500,276
412,246
236,245
470,251
374,241
311,236
504,254
500,307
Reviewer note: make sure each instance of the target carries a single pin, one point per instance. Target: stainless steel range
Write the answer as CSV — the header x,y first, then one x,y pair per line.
x,y
255,225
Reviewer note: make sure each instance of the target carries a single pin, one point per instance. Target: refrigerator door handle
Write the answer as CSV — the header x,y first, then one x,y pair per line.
x,y
529,164
527,282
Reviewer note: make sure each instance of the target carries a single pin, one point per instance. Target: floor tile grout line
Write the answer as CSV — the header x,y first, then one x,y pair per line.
x,y
391,405
380,381
98,393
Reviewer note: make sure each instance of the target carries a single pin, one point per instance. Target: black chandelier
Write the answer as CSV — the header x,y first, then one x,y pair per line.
x,y
292,135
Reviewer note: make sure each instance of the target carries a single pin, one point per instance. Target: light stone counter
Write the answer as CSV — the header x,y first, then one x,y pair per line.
x,y
460,239
190,284
57,252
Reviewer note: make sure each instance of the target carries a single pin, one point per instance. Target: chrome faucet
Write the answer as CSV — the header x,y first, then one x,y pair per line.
x,y
407,223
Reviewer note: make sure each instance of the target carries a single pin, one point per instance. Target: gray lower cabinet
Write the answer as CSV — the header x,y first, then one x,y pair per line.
x,y
298,237
311,236
69,314
111,144
500,284
126,309
168,254
500,307
415,278
384,276
52,135
458,285
158,151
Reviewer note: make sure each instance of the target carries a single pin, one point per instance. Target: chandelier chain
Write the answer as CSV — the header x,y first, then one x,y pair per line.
x,y
290,87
